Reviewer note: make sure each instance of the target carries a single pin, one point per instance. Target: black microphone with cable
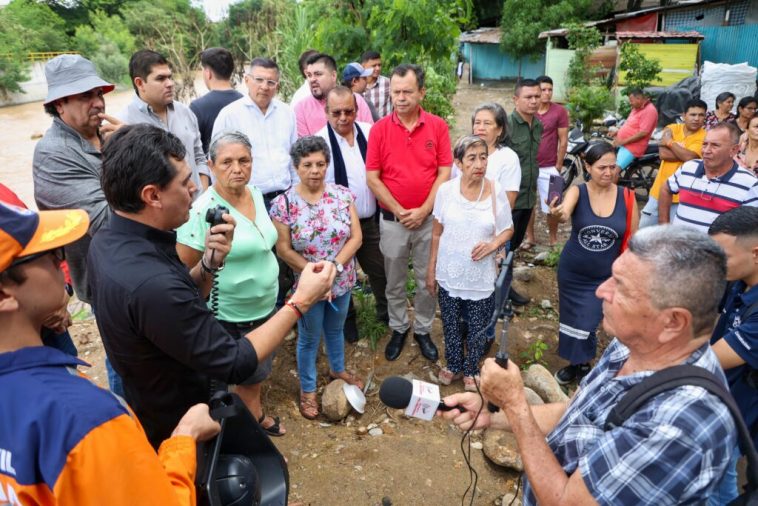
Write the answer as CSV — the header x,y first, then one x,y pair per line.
x,y
396,392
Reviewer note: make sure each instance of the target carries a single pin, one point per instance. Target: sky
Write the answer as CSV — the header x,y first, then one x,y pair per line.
x,y
215,9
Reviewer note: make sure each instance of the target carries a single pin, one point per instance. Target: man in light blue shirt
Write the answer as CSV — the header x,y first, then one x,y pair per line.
x,y
154,104
269,124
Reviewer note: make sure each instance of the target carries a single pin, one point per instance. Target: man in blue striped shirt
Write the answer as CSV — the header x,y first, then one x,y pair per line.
x,y
711,186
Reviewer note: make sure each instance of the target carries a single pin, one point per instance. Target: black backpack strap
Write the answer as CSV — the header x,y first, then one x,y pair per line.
x,y
681,375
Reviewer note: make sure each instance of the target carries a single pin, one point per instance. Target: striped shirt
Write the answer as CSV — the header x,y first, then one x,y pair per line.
x,y
379,95
673,450
702,199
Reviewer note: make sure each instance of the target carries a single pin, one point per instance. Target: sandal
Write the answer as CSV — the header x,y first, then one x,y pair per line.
x,y
347,377
308,405
527,245
275,429
470,383
446,376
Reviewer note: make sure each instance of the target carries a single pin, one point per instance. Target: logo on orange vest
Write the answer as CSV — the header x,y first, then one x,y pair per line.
x,y
5,462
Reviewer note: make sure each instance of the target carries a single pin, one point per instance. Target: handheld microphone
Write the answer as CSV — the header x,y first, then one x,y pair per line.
x,y
396,392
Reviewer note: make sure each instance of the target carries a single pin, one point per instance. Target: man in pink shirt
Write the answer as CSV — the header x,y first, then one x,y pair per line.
x,y
634,134
321,73
550,154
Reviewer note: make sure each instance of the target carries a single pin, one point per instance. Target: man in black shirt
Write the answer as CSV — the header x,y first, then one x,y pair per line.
x,y
218,66
151,312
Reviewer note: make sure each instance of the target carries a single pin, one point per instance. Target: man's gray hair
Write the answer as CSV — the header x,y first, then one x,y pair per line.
x,y
228,137
688,271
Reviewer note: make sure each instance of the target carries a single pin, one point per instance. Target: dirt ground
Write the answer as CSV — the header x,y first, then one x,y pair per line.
x,y
413,462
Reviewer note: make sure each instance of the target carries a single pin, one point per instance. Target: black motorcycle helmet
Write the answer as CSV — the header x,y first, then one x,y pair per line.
x,y
237,481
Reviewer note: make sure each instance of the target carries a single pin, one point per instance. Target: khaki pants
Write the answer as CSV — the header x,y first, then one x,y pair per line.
x,y
398,244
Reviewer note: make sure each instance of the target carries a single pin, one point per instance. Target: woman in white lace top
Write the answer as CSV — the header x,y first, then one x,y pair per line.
x,y
472,220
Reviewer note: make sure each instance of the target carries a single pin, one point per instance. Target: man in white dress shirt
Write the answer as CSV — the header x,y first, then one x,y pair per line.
x,y
270,125
348,141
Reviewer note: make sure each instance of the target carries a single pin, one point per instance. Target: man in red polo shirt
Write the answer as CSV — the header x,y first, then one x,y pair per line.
x,y
408,157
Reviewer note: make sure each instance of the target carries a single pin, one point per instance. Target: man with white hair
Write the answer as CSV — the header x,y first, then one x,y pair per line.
x,y
660,303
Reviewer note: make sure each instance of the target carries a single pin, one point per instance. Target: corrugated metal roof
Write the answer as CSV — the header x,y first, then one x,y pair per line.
x,y
682,4
489,35
659,35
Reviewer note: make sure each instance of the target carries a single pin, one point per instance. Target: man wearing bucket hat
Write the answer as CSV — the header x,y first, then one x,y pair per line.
x,y
66,163
64,440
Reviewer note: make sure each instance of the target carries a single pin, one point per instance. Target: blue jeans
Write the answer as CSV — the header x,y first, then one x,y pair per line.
x,y
624,157
649,214
321,318
727,490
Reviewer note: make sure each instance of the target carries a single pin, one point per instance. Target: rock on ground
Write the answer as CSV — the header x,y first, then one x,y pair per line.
x,y
532,397
523,273
510,499
501,448
334,403
542,382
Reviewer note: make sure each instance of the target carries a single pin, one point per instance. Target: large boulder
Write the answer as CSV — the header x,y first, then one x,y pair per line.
x,y
532,398
501,448
541,381
334,403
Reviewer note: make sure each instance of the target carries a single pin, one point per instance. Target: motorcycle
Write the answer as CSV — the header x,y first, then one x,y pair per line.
x,y
639,175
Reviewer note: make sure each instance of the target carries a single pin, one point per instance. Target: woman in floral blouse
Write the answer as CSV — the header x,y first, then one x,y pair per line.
x,y
318,221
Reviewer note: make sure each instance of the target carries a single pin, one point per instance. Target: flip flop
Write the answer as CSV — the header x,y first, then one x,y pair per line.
x,y
527,246
274,429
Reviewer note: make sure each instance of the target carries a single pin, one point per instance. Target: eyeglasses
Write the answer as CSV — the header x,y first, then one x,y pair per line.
x,y
336,113
707,197
58,253
259,81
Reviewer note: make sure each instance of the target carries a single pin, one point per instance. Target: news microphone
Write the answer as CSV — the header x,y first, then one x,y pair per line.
x,y
396,392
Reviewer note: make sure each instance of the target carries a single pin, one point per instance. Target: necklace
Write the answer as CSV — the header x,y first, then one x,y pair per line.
x,y
467,204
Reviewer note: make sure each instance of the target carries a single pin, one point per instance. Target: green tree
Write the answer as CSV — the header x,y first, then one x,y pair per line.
x,y
588,94
13,66
641,71
294,31
45,30
108,43
421,31
252,29
523,22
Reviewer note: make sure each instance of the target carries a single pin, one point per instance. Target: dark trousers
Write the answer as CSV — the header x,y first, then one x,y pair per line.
x,y
286,275
372,262
520,222
477,316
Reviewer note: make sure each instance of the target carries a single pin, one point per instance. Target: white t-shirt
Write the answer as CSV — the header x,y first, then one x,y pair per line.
x,y
466,223
503,166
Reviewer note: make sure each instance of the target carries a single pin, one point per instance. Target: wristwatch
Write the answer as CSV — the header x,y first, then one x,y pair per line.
x,y
340,268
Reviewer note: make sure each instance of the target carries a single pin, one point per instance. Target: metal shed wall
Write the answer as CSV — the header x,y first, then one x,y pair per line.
x,y
487,61
728,44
